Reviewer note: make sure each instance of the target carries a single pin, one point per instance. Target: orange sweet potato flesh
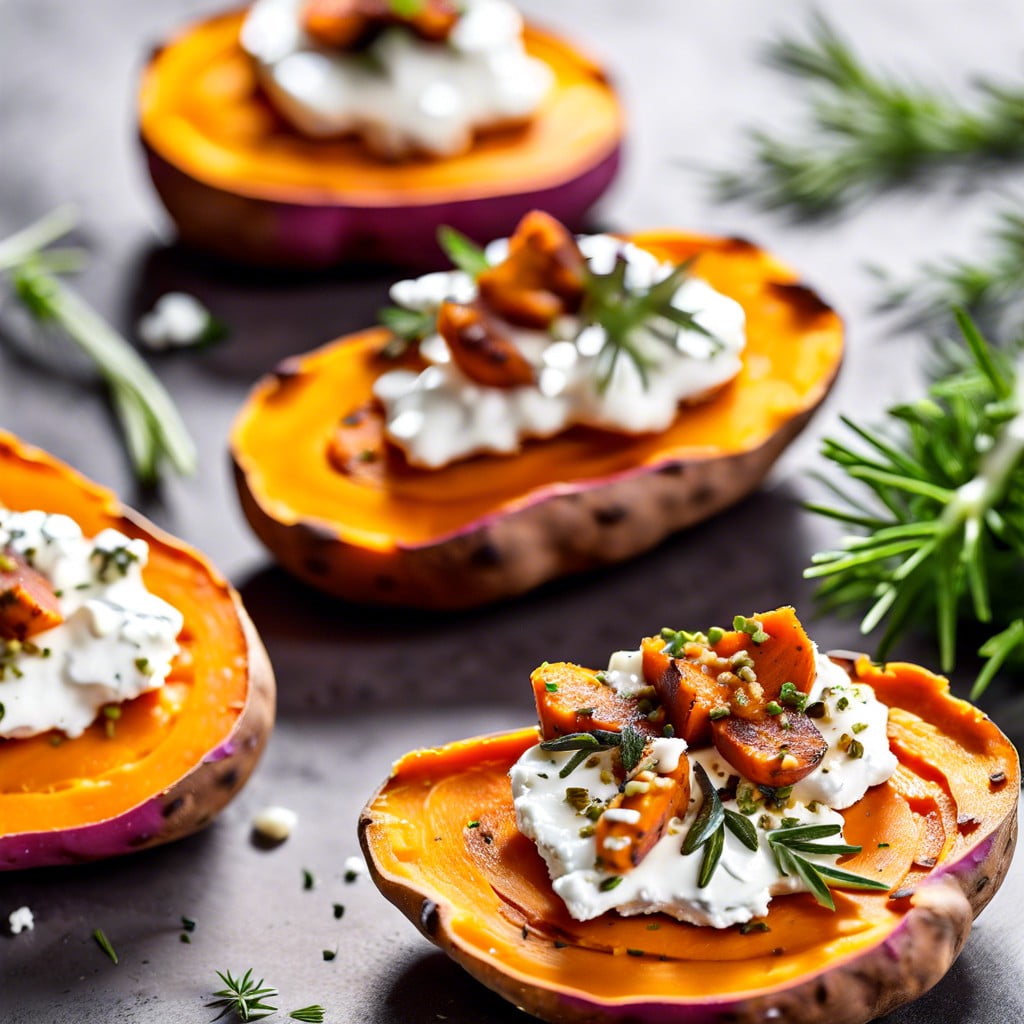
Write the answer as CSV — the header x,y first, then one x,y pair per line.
x,y
202,110
484,895
48,783
666,798
570,699
28,604
540,508
357,447
480,348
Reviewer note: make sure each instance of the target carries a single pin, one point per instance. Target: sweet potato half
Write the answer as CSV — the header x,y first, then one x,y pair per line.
x,y
493,526
178,754
941,833
238,181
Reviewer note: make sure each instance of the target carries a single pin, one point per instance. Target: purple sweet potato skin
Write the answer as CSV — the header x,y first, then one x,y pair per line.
x,y
265,232
186,807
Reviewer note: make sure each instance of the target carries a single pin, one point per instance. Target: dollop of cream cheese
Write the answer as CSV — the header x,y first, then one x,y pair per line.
x,y
440,415
665,881
402,94
117,639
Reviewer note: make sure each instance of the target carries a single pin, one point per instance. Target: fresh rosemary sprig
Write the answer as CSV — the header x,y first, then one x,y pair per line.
x,y
787,845
314,1014
100,937
866,130
242,996
631,743
939,499
153,429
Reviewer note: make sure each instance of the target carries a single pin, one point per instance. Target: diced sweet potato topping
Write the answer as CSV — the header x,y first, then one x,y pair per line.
x,y
778,750
357,447
28,604
480,348
657,798
688,694
349,24
541,279
572,699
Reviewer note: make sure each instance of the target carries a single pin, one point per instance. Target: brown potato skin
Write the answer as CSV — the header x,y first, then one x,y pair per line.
x,y
563,533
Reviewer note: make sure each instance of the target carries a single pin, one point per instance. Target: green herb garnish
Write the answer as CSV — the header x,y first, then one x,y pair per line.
x,y
708,828
104,943
631,748
243,996
153,429
787,844
940,497
866,130
314,1014
752,627
308,879
462,251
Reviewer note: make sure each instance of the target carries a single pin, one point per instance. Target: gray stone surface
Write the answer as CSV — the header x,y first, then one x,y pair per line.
x,y
359,687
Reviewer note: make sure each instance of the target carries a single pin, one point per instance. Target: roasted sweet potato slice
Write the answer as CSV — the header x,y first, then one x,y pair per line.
x,y
28,604
572,699
786,656
542,277
657,798
687,693
480,348
777,750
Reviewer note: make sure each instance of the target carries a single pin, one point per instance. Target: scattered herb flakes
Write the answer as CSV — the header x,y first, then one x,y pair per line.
x,y
749,927
188,924
752,627
610,883
339,911
330,954
883,846
551,687
635,952
104,943
472,824
185,937
308,879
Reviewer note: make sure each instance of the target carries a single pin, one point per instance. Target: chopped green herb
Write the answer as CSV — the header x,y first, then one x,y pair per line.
x,y
720,712
859,726
185,937
792,697
883,846
610,883
748,927
339,911
632,747
308,879
330,954
462,251
773,708
188,924
473,824
314,1014
842,704
551,687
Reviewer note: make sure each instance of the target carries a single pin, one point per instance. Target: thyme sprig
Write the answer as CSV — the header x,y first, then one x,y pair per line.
x,y
153,430
937,504
867,130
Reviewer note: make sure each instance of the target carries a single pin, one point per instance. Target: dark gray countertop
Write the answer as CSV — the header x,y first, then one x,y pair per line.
x,y
690,78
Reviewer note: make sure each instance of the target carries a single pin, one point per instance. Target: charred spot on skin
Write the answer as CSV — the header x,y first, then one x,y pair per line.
x,y
805,301
981,883
486,556
317,567
430,919
610,515
997,779
172,808
673,469
229,780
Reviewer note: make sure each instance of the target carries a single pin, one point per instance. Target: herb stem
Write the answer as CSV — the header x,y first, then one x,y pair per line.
x,y
23,244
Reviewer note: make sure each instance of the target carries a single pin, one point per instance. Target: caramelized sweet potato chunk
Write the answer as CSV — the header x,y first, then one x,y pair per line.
x,y
687,692
481,349
786,656
347,24
777,750
657,798
28,604
572,699
357,447
541,278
